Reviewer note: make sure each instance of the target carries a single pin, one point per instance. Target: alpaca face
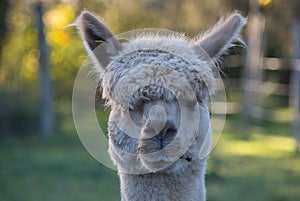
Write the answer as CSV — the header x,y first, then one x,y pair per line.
x,y
159,146
157,88
156,118
159,121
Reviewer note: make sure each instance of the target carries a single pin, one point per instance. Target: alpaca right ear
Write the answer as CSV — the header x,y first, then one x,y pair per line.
x,y
95,33
222,36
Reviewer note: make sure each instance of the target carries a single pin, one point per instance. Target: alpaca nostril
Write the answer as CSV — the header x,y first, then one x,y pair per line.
x,y
171,131
166,136
169,134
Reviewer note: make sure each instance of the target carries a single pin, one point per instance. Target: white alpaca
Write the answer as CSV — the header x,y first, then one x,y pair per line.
x,y
158,148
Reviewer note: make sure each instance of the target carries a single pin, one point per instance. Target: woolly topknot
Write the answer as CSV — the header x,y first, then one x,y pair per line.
x,y
165,62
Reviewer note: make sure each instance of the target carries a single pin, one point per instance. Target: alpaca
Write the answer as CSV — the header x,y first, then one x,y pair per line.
x,y
157,88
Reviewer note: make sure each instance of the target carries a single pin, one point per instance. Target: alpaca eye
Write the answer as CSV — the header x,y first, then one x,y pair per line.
x,y
136,115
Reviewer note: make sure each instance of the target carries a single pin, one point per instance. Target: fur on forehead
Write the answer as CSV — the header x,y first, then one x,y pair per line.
x,y
159,61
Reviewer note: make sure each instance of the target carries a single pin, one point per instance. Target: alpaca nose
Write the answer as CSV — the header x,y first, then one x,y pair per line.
x,y
166,135
157,119
161,138
159,124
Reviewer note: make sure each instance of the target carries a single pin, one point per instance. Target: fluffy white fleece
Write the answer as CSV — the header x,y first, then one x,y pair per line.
x,y
164,68
159,61
152,67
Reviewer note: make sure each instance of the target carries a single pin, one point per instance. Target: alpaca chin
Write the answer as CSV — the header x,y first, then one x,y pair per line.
x,y
159,161
156,166
167,164
155,161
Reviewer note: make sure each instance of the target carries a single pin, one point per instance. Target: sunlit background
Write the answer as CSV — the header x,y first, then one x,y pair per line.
x,y
41,157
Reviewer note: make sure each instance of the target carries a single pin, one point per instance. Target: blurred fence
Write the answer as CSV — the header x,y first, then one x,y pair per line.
x,y
258,94
265,87
262,110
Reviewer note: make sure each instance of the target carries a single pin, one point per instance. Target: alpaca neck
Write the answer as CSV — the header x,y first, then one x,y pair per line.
x,y
188,185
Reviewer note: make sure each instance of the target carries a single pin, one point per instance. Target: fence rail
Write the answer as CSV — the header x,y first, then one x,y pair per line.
x,y
265,88
269,63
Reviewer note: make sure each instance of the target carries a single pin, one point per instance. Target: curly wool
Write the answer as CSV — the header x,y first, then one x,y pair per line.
x,y
149,65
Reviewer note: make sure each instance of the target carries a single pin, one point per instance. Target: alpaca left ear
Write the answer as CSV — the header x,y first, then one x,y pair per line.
x,y
223,35
95,33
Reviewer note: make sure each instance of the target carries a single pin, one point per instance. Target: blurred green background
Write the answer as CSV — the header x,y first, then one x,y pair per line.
x,y
256,157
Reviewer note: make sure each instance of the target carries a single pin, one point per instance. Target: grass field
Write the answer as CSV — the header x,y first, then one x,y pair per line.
x,y
261,167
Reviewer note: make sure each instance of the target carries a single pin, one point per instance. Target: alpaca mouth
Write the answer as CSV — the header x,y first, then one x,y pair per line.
x,y
155,157
148,146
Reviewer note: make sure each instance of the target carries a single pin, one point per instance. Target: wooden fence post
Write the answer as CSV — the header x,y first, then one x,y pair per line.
x,y
252,73
295,81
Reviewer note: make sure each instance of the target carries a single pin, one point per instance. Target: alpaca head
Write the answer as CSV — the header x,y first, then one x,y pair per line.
x,y
157,87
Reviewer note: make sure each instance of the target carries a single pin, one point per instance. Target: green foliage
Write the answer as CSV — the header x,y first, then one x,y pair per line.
x,y
19,73
18,66
19,58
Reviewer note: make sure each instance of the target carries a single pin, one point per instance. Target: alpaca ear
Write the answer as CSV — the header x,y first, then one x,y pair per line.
x,y
95,33
223,35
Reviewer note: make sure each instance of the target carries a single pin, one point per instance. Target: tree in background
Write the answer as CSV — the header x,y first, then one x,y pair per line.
x,y
3,12
19,94
4,120
45,85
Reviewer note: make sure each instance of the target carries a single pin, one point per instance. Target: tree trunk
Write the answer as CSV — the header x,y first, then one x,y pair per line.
x,y
46,97
3,11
